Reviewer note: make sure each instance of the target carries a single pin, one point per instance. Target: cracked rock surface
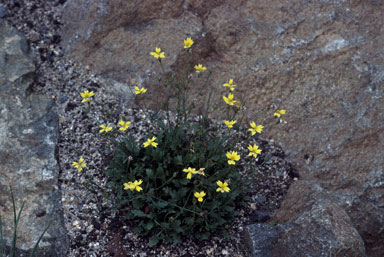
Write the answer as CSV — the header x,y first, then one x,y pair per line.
x,y
28,139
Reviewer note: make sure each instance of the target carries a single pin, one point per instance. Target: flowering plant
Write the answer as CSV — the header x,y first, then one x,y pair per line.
x,y
185,184
177,181
181,179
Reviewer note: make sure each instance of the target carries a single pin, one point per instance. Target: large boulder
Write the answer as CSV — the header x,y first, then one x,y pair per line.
x,y
323,230
320,60
28,137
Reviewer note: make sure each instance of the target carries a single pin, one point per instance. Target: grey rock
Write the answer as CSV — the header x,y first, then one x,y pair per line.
x,y
3,11
305,194
259,216
261,238
260,199
14,61
63,99
122,91
322,231
28,138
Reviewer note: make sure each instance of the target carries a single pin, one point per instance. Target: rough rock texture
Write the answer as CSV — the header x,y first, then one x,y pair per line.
x,y
260,239
324,230
28,137
320,60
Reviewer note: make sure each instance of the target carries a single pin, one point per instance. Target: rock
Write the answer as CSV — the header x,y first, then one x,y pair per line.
x,y
323,230
319,60
122,91
128,38
28,137
259,216
3,11
305,193
260,239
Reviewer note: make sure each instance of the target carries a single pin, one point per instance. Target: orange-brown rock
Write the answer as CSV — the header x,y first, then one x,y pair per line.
x,y
322,61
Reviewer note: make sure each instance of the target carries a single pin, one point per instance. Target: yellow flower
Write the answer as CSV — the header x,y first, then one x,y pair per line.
x,y
201,171
255,128
199,196
237,103
151,142
230,123
124,125
278,113
86,95
233,157
137,185
229,84
158,54
129,185
190,171
133,185
229,100
80,164
200,68
139,91
188,42
254,150
105,129
223,187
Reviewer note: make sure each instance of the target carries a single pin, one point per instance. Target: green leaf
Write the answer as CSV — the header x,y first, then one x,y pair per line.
x,y
149,173
149,226
161,204
139,213
176,226
138,230
184,181
165,225
176,237
182,192
204,235
229,208
160,172
179,160
138,203
154,240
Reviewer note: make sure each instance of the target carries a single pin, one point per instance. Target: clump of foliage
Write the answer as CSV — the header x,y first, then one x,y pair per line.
x,y
182,179
178,192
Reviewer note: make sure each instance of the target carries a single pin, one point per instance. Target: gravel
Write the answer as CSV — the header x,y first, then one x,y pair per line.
x,y
93,227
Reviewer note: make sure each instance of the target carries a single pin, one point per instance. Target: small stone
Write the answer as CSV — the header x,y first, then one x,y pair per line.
x,y
63,99
34,37
224,252
259,216
3,11
76,224
260,199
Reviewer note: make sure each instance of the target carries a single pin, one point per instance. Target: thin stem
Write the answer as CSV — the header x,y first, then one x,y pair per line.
x,y
175,205
166,182
162,67
145,109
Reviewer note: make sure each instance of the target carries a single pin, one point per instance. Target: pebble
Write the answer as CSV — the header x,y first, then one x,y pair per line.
x,y
3,11
224,252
